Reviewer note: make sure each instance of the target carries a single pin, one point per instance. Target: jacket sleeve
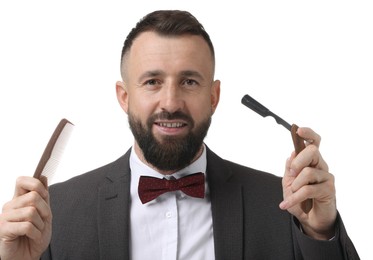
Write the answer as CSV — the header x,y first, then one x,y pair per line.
x,y
340,247
46,255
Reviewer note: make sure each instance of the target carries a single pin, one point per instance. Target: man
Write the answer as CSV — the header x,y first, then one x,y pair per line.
x,y
169,93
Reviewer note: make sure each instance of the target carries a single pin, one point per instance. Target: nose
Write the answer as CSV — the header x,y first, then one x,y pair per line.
x,y
172,98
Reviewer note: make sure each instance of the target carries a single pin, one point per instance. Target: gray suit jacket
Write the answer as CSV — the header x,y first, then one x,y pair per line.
x,y
91,217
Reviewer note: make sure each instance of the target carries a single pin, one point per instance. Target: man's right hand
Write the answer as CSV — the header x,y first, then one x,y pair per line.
x,y
26,221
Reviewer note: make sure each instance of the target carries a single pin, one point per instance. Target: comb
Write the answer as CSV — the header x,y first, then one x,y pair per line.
x,y
298,142
53,152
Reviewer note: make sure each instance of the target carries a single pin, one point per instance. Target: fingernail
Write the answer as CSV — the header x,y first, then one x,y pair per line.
x,y
292,173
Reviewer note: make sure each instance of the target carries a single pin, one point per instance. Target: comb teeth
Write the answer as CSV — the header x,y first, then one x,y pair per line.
x,y
54,150
57,152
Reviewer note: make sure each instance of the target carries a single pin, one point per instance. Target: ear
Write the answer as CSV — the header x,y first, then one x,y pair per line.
x,y
122,95
215,95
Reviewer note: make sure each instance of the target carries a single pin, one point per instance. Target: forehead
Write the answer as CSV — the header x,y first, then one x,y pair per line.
x,y
151,49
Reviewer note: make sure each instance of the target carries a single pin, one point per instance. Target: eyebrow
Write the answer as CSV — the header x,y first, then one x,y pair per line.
x,y
184,73
191,73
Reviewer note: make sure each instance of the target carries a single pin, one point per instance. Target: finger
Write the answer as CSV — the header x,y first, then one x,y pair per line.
x,y
26,184
27,214
12,230
321,192
304,193
30,199
288,178
309,135
288,172
310,156
309,176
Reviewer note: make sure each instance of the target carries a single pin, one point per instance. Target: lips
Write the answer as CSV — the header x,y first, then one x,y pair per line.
x,y
170,128
171,124
176,123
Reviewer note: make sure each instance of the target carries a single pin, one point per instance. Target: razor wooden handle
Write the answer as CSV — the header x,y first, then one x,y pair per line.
x,y
299,146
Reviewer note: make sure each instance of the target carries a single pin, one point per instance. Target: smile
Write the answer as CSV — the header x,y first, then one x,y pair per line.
x,y
171,125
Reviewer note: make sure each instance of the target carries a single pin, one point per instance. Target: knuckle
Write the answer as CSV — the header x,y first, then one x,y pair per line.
x,y
318,137
308,172
5,207
293,187
27,227
19,180
308,190
295,165
31,211
46,214
313,149
332,177
331,187
33,197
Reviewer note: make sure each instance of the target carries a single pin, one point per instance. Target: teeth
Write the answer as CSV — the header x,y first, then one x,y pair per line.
x,y
171,124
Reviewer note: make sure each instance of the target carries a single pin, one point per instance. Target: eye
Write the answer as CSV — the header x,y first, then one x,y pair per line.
x,y
190,82
151,82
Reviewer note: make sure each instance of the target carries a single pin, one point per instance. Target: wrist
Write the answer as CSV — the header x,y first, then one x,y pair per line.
x,y
326,235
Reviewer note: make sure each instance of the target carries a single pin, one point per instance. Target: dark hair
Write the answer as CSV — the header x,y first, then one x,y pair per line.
x,y
168,23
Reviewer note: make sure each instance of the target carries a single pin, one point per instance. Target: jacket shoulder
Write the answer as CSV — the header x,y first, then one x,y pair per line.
x,y
235,171
88,183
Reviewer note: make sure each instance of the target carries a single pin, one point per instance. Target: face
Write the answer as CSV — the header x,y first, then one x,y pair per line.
x,y
169,95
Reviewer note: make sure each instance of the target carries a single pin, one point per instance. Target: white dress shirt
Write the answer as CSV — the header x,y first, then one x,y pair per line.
x,y
174,226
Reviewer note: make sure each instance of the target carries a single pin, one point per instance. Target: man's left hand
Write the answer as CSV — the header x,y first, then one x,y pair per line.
x,y
307,177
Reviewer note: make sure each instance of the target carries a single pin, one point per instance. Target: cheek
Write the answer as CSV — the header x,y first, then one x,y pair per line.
x,y
200,109
140,108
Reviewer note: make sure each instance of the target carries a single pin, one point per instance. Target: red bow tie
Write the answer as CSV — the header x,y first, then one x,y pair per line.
x,y
192,185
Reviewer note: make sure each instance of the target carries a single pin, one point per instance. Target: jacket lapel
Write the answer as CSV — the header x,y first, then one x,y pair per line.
x,y
113,211
226,205
227,209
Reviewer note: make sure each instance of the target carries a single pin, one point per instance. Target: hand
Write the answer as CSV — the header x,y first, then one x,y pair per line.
x,y
306,176
26,221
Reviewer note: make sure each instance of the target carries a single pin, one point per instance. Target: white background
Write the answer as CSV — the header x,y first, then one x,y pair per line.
x,y
310,62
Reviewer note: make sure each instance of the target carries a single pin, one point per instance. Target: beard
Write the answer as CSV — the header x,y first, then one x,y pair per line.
x,y
172,153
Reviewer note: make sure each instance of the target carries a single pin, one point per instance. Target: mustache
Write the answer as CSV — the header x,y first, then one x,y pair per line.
x,y
165,115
